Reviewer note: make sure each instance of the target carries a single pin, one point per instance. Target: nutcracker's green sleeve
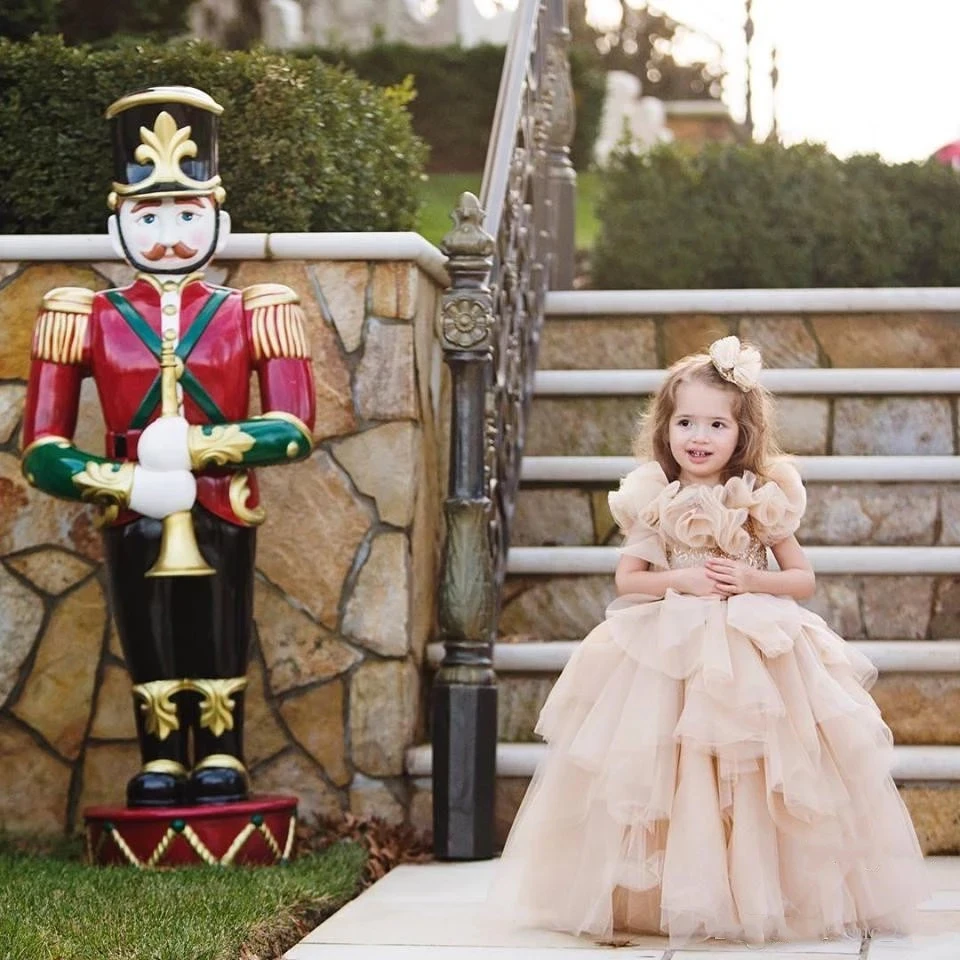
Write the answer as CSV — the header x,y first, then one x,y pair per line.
x,y
275,437
53,464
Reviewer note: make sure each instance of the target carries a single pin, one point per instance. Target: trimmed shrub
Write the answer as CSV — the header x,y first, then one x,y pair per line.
x,y
762,215
457,95
303,145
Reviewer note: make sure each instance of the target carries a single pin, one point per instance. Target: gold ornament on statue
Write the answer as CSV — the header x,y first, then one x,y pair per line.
x,y
179,554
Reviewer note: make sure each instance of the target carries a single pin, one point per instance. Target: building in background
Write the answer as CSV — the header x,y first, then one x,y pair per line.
x,y
356,24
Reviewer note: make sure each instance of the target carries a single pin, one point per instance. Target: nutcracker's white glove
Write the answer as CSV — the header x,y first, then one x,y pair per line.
x,y
163,445
158,493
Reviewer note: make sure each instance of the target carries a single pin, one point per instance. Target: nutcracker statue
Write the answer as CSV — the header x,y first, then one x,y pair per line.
x,y
172,358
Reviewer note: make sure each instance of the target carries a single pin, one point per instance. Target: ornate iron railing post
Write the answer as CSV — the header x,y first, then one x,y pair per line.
x,y
502,255
465,692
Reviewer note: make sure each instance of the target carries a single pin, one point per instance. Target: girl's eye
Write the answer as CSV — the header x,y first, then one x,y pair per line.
x,y
719,423
683,422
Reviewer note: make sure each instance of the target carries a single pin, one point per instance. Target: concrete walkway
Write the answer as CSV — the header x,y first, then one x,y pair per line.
x,y
436,912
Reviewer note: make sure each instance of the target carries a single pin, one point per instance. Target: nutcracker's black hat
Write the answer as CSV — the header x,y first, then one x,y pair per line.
x,y
165,144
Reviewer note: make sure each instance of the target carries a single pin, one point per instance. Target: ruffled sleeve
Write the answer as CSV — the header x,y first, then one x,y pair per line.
x,y
634,507
778,505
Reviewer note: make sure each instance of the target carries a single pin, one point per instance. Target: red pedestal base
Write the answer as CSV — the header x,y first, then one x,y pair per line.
x,y
256,831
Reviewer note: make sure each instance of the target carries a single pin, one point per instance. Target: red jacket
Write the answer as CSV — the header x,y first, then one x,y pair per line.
x,y
82,335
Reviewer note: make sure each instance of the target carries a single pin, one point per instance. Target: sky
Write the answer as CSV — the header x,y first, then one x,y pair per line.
x,y
862,76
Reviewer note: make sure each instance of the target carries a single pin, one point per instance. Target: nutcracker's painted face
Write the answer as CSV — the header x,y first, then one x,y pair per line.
x,y
169,234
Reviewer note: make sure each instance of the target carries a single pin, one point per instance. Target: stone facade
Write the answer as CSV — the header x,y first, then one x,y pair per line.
x,y
347,565
630,342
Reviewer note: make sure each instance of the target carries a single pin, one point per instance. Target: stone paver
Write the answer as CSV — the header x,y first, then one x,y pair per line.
x,y
437,912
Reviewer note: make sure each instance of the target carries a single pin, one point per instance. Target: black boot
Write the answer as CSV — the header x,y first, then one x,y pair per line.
x,y
162,779
219,775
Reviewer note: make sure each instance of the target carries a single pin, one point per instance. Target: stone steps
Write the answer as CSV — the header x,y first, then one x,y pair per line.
x,y
868,397
835,469
572,509
839,381
928,778
858,607
888,656
814,424
918,690
924,764
902,561
638,329
934,806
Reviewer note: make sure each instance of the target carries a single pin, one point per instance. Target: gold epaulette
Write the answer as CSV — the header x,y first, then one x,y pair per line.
x,y
276,321
62,325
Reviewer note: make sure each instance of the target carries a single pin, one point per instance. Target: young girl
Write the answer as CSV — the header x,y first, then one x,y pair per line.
x,y
716,767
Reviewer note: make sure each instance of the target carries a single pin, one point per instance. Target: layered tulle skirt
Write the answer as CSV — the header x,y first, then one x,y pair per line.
x,y
716,769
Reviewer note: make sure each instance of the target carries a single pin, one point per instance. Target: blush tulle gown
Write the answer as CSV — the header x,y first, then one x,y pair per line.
x,y
716,768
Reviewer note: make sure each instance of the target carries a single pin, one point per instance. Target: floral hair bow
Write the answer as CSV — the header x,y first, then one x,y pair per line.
x,y
737,364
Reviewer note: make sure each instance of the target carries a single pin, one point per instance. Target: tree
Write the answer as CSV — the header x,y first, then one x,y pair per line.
x,y
20,19
89,21
643,43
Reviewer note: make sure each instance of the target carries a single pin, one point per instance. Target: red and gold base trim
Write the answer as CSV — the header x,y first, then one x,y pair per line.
x,y
258,831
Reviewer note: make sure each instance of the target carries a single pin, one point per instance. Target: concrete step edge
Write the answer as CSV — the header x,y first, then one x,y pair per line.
x,y
817,380
901,561
888,656
839,300
520,760
838,469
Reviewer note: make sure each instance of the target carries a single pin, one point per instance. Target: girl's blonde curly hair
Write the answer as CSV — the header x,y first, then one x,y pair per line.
x,y
753,410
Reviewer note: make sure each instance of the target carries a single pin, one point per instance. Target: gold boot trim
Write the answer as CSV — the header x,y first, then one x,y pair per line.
x,y
159,711
221,760
216,705
173,767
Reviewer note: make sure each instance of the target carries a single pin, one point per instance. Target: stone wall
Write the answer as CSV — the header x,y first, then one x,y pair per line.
x,y
346,573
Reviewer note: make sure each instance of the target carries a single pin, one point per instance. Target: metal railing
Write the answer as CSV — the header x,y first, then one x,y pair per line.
x,y
506,250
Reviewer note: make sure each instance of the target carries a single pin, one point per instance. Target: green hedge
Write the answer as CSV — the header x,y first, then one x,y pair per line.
x,y
763,215
457,95
303,146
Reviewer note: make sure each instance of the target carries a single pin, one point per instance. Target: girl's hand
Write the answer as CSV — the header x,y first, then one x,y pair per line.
x,y
695,581
730,577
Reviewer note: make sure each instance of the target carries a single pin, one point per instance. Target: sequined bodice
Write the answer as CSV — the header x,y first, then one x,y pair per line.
x,y
671,526
680,555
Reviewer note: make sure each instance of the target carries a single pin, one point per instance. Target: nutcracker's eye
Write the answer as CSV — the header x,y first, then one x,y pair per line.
x,y
187,216
150,219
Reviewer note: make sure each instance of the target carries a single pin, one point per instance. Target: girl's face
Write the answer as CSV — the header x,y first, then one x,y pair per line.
x,y
703,432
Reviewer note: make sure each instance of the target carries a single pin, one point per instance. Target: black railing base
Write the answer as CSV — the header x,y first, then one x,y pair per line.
x,y
464,771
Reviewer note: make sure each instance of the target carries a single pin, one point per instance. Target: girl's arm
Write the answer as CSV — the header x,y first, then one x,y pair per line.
x,y
635,576
795,577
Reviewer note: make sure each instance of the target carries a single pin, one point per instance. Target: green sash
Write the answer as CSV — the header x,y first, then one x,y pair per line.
x,y
151,341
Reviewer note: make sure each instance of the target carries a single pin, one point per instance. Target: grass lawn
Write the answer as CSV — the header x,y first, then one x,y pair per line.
x,y
57,908
441,191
